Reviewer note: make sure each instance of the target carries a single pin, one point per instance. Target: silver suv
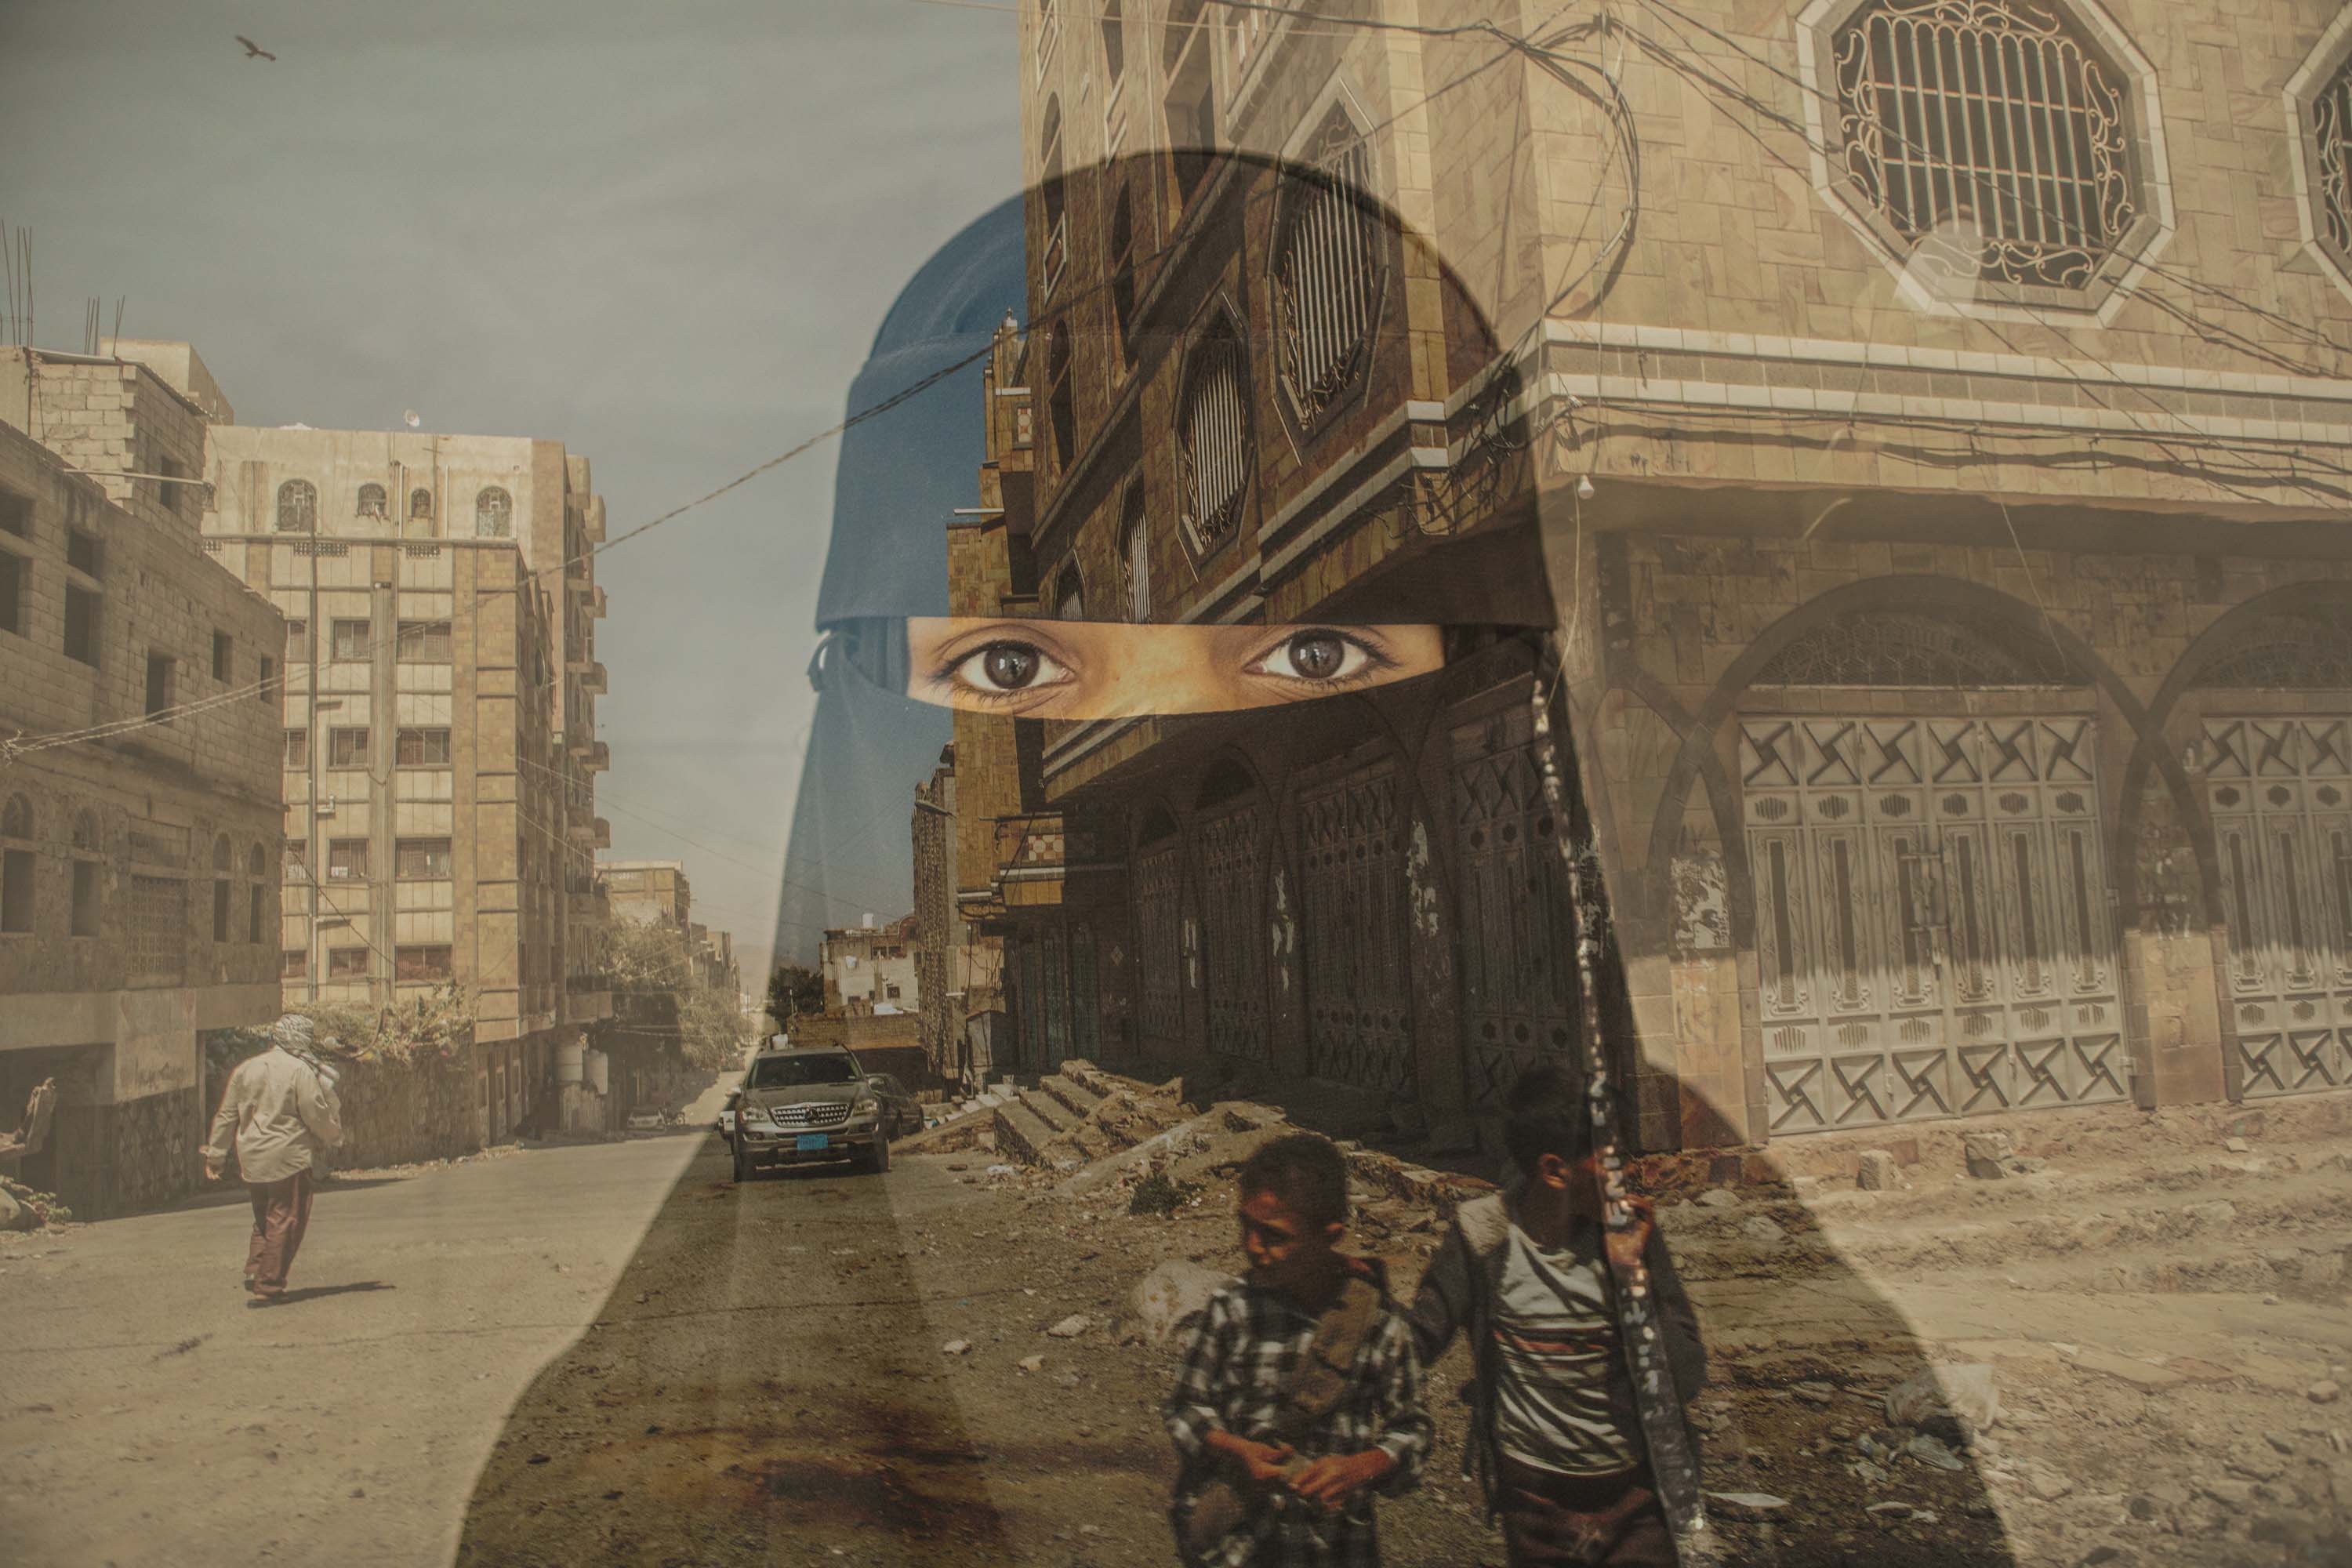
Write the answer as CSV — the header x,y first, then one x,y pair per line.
x,y
802,1104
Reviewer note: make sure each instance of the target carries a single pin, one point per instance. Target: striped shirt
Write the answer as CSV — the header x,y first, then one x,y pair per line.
x,y
1554,1340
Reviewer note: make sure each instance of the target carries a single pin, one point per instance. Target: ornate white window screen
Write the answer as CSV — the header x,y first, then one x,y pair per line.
x,y
1326,273
1988,136
2331,130
493,514
298,507
1135,556
1212,442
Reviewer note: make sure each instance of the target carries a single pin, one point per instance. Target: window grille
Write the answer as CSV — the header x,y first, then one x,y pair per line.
x,y
298,507
1986,128
158,928
347,860
1135,556
493,514
1326,273
347,963
347,748
2331,130
373,502
422,749
1212,442
421,642
420,964
420,502
416,857
351,641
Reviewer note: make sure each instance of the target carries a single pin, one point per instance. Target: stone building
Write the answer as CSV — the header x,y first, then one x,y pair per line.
x,y
139,891
957,961
1940,450
648,890
439,773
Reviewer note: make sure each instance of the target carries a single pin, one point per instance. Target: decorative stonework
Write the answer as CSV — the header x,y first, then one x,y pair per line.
x,y
2319,111
1999,152
1329,275
1215,448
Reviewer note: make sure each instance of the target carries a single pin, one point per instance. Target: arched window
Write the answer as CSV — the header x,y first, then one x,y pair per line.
x,y
221,894
1135,554
84,911
16,818
1989,136
1053,193
257,862
1327,272
493,514
420,502
1061,396
257,902
298,507
220,853
373,502
85,833
1213,449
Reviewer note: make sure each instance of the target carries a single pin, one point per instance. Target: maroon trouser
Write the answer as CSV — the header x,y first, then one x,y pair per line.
x,y
281,1211
1551,1519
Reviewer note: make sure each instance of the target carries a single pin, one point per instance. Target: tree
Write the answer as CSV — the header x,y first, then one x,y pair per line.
x,y
656,988
795,989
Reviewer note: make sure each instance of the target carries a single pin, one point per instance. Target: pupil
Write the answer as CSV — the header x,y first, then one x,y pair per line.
x,y
1316,654
1010,665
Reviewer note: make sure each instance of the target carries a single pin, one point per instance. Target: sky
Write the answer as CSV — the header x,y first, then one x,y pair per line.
x,y
663,234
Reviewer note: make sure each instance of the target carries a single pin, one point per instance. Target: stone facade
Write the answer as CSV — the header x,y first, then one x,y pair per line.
x,y
1949,599
140,902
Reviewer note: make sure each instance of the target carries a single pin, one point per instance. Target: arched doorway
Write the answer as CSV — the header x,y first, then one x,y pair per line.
x,y
1922,818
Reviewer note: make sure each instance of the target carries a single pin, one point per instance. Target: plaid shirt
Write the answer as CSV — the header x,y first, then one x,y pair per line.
x,y
1238,1354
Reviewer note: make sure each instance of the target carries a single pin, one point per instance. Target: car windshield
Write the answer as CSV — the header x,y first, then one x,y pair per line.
x,y
792,1072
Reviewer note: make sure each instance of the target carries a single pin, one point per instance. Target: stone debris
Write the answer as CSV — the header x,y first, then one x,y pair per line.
x,y
1986,1154
2326,1390
1718,1198
956,1347
1967,1394
1031,1363
1071,1327
1877,1171
1749,1505
2238,1146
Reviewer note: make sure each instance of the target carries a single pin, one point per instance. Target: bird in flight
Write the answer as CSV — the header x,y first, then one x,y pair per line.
x,y
252,49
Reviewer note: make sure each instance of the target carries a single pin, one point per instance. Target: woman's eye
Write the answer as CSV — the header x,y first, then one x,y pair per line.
x,y
1009,666
1314,655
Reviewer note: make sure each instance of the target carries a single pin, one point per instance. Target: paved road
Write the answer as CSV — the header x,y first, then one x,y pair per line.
x,y
148,1416
766,1385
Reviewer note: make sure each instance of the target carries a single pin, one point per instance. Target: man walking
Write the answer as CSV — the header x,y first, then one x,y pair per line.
x,y
280,1110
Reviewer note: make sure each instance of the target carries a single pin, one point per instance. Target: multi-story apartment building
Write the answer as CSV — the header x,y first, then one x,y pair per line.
x,y
649,889
139,813
438,738
1936,417
870,968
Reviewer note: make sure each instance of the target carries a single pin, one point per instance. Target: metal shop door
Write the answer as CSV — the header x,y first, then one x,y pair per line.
x,y
1233,931
2283,832
1932,934
1158,942
1517,946
1352,911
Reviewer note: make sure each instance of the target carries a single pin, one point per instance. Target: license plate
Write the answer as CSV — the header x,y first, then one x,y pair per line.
x,y
809,1143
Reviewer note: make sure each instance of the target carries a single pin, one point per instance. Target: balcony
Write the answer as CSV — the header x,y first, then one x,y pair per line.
x,y
591,677
599,833
588,906
597,758
596,600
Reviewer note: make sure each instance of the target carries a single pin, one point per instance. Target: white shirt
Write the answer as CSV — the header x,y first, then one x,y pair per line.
x,y
282,1114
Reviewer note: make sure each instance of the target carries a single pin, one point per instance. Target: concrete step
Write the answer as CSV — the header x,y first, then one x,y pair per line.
x,y
1072,1093
1020,1133
1049,1111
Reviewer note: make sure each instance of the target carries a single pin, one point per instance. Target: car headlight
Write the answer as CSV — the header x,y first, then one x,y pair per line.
x,y
868,1107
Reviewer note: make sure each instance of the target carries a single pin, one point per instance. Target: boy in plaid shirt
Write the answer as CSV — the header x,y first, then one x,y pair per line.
x,y
1301,1392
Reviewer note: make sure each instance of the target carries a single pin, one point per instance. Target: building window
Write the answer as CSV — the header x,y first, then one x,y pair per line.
x,y
1327,273
297,749
12,578
347,859
15,514
494,514
350,641
293,964
81,625
1122,266
347,963
220,909
1991,139
422,749
1049,33
85,898
420,503
1114,41
413,858
1191,124
159,686
421,642
296,861
84,553
297,641
1213,449
224,655
256,909
298,507
347,748
267,686
373,502
1061,396
170,487
1135,554
16,866
1070,601
1054,196
420,964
